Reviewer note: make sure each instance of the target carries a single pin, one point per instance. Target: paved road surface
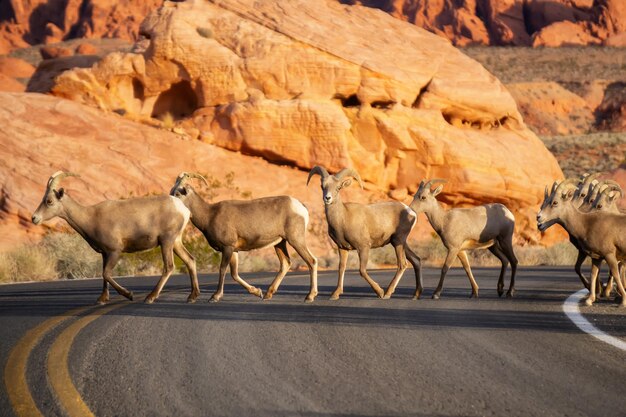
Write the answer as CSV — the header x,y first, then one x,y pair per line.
x,y
356,356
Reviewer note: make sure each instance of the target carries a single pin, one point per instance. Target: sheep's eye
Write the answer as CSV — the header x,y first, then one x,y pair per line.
x,y
555,203
583,195
599,206
423,197
49,202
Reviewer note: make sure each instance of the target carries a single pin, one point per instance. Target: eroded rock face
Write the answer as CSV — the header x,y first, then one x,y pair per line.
x,y
271,79
117,158
24,22
512,22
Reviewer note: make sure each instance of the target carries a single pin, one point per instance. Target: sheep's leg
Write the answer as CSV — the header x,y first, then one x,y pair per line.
x,y
168,267
190,263
109,260
234,273
343,261
444,270
507,247
227,253
578,268
104,297
400,257
285,263
462,255
497,252
609,285
595,269
611,260
417,266
363,258
299,244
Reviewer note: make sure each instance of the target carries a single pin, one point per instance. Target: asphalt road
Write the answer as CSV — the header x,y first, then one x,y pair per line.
x,y
357,356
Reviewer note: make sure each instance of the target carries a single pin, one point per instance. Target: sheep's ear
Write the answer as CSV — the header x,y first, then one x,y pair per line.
x,y
346,183
612,195
437,190
59,194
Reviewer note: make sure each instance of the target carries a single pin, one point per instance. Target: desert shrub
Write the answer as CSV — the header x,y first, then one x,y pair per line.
x,y
207,260
73,257
27,263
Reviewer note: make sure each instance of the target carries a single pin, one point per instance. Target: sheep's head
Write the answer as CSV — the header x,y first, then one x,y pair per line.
x,y
607,199
556,202
425,197
586,184
182,189
52,203
332,184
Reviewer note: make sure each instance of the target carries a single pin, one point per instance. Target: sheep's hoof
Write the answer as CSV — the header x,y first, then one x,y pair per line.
x,y
435,296
510,293
500,292
268,296
387,296
474,294
588,301
192,298
335,296
215,299
380,294
258,292
101,302
149,299
130,295
418,294
309,299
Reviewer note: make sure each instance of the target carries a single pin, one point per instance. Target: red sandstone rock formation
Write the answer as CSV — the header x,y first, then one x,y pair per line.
x,y
305,83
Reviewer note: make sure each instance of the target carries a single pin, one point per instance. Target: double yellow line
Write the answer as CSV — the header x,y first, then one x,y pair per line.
x,y
57,364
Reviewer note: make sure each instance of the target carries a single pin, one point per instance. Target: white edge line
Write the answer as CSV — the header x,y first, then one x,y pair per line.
x,y
570,308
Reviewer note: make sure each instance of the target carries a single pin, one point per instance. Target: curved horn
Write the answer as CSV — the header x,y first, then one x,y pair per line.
x,y
349,172
588,179
606,191
434,181
321,171
198,176
612,186
56,178
568,183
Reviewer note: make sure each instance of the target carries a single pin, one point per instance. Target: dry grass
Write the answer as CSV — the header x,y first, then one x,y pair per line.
x,y
595,152
563,65
67,256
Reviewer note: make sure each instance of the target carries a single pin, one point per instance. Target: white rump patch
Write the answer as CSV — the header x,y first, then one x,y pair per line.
x,y
181,208
300,210
509,215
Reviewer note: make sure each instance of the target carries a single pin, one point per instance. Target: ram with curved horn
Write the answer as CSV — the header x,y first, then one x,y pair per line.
x,y
460,229
233,226
583,201
597,234
114,227
361,227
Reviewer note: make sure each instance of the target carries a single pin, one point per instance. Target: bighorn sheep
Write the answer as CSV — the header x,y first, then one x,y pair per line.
x,y
114,227
363,227
231,226
488,226
600,235
585,199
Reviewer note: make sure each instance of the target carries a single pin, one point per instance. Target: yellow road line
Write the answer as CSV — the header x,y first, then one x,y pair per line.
x,y
15,370
58,371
